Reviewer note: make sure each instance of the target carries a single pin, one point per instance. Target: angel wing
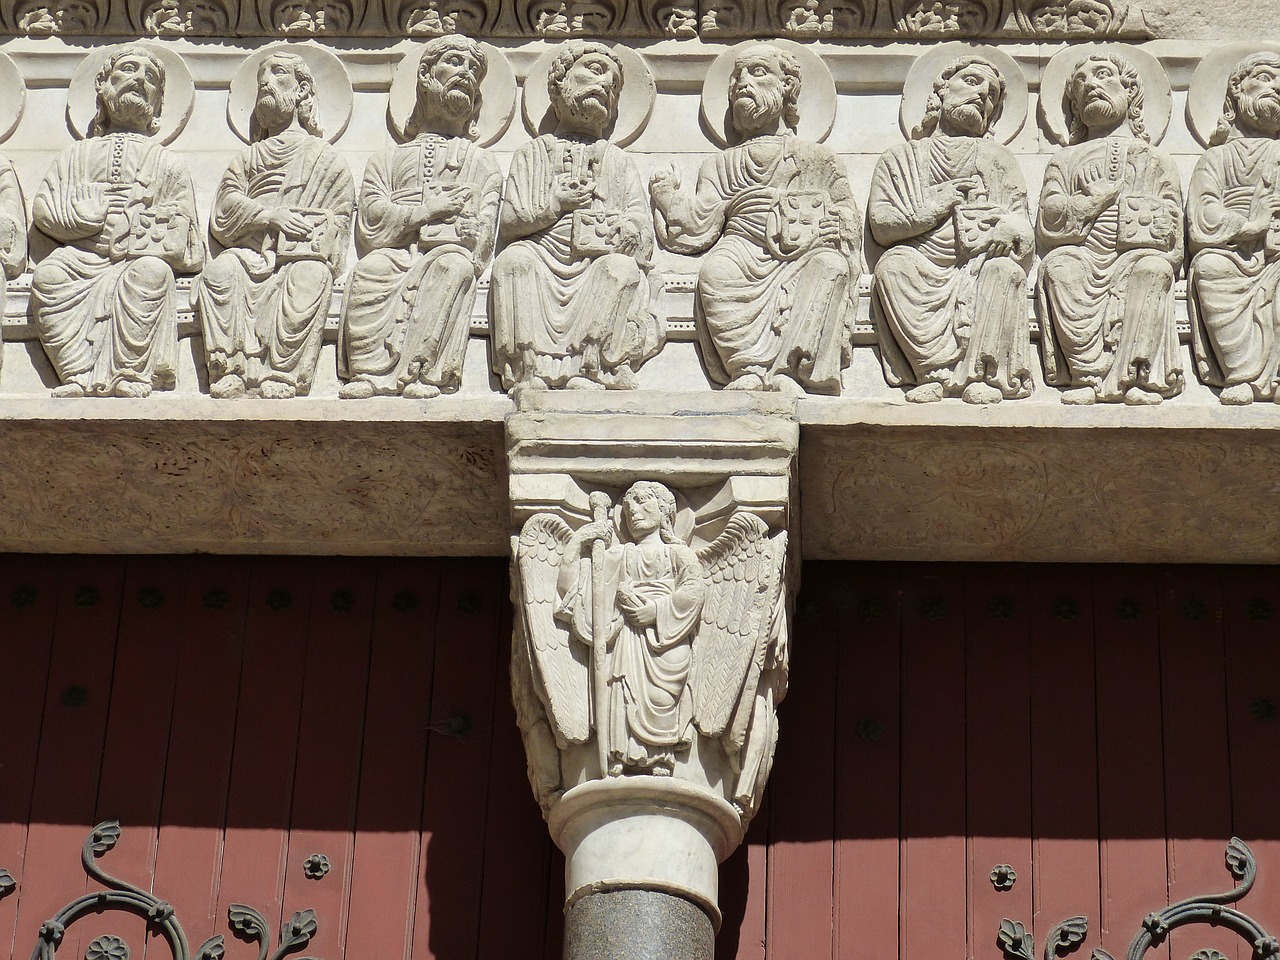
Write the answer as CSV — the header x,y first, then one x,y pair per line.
x,y
560,670
741,576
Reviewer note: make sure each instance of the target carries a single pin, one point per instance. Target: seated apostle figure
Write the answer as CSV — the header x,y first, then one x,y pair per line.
x,y
776,294
122,208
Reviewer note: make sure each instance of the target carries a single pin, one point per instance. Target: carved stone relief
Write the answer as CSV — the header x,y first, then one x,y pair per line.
x,y
573,295
123,209
950,207
1111,236
429,218
283,214
1233,224
777,292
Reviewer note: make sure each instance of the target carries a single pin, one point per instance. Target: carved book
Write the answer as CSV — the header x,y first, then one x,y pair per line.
x,y
153,232
438,232
1145,222
795,223
320,244
593,232
974,223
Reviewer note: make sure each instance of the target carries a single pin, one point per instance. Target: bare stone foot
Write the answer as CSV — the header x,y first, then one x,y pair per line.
x,y
356,390
229,387
421,391
748,381
615,770
981,393
1080,396
1237,395
131,389
277,390
786,386
583,383
1137,397
624,378
68,390
925,393
662,769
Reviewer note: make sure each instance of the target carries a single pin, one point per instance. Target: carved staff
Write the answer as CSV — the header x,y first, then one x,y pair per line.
x,y
600,505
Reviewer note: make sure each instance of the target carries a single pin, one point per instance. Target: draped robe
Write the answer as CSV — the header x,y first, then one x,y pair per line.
x,y
1108,322
105,315
262,319
753,308
408,309
591,316
1232,282
650,710
13,229
947,318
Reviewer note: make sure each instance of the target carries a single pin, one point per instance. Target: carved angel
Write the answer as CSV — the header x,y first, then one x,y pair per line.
x,y
632,637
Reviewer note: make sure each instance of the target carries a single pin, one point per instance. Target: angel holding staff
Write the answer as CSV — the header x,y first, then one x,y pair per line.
x,y
628,634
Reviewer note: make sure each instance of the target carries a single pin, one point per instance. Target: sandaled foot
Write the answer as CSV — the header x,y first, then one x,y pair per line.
x,y
1137,397
356,390
421,391
68,390
1080,396
981,393
1236,395
131,389
229,387
277,390
925,393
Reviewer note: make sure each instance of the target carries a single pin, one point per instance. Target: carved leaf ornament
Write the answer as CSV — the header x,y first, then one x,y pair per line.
x,y
246,922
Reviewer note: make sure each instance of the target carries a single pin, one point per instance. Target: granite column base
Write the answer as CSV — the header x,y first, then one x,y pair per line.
x,y
637,925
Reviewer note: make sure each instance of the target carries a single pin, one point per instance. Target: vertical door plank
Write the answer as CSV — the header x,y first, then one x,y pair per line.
x,y
1131,816
998,748
137,741
385,868
934,870
71,744
447,922
1064,770
868,704
260,793
513,908
1197,773
802,800
555,907
210,647
330,733
1251,598
28,606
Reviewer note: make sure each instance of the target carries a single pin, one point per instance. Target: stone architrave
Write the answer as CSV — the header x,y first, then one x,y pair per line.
x,y
574,289
1233,224
1111,238
283,212
951,207
123,211
777,292
428,214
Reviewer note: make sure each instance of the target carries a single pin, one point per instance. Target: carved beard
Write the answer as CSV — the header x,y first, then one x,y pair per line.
x,y
275,108
453,100
1262,112
126,106
592,104
1101,109
755,107
966,117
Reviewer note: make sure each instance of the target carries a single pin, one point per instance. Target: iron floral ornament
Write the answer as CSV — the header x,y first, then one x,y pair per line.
x,y
1213,909
247,923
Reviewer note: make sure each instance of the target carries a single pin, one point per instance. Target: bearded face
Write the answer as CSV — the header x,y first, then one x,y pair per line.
x,y
451,84
757,92
969,100
131,93
589,91
1259,99
1099,97
278,93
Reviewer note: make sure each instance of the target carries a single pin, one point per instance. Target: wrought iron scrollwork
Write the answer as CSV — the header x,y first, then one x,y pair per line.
x,y
246,922
1213,909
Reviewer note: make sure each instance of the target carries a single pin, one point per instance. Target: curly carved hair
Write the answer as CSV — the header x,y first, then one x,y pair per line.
x,y
102,121
570,54
433,51
1231,103
933,106
308,113
791,80
666,506
1077,132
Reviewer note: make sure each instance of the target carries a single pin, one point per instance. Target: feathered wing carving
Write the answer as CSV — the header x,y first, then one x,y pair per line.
x,y
560,669
732,640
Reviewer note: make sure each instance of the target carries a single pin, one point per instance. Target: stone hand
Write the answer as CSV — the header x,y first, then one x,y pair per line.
x,y
664,184
1101,191
636,610
445,205
831,231
571,193
1003,239
626,237
289,222
945,197
601,530
1257,226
